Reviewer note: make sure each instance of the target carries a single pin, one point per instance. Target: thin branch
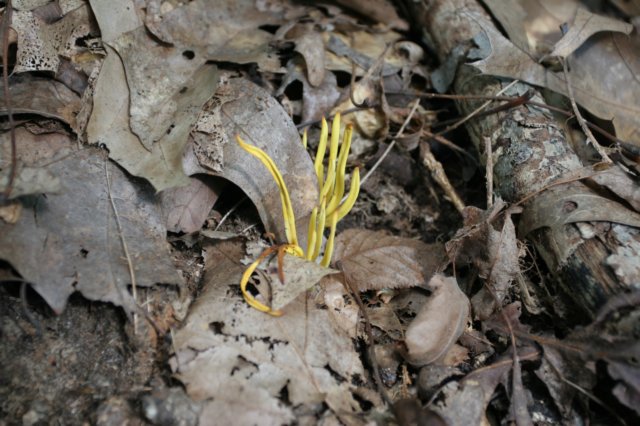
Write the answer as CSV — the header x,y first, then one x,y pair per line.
x,y
581,120
125,248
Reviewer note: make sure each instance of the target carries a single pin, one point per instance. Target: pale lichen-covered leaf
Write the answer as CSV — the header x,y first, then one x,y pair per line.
x,y
440,322
40,44
109,124
45,97
374,260
29,181
185,208
226,348
60,250
247,110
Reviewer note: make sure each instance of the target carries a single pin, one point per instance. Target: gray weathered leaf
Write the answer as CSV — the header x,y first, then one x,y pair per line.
x,y
70,242
239,361
440,322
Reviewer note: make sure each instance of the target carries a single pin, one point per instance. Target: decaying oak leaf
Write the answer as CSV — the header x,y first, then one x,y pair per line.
x,y
375,260
240,362
440,322
41,44
45,97
60,250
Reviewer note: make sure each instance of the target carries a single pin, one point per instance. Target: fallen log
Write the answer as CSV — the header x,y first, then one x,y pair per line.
x,y
589,242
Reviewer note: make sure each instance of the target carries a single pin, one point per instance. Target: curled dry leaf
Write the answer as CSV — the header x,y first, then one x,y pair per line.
x,y
185,208
243,108
374,260
440,322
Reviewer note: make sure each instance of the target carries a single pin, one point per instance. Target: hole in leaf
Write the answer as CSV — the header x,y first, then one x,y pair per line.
x,y
189,54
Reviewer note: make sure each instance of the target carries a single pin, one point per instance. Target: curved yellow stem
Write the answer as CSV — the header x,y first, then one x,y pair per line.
x,y
287,208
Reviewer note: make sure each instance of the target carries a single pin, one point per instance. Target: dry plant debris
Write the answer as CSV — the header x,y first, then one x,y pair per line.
x,y
138,137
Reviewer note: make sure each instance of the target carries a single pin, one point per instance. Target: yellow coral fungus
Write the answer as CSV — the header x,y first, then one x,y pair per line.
x,y
330,207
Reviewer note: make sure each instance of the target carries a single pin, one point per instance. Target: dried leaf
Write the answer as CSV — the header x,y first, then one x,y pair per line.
x,y
493,249
226,31
466,402
186,208
374,260
300,275
115,18
559,206
246,109
621,184
109,124
377,10
40,44
584,25
603,74
45,97
440,322
61,250
311,46
240,361
316,101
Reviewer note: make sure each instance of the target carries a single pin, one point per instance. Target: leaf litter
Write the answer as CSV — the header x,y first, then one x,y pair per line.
x,y
170,85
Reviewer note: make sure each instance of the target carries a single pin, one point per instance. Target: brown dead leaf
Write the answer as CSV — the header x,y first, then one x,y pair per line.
x,y
300,275
239,361
44,97
374,260
440,322
109,124
493,249
584,25
60,250
466,401
186,208
377,10
620,183
311,46
316,101
561,205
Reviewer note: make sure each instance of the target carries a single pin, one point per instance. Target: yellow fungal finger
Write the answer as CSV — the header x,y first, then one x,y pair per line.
x,y
322,147
328,249
338,192
354,189
253,302
322,215
312,234
287,208
304,138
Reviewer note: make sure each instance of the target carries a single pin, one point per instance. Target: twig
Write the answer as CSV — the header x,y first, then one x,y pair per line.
x,y
581,120
393,142
125,248
231,210
488,149
371,346
477,110
439,175
6,22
